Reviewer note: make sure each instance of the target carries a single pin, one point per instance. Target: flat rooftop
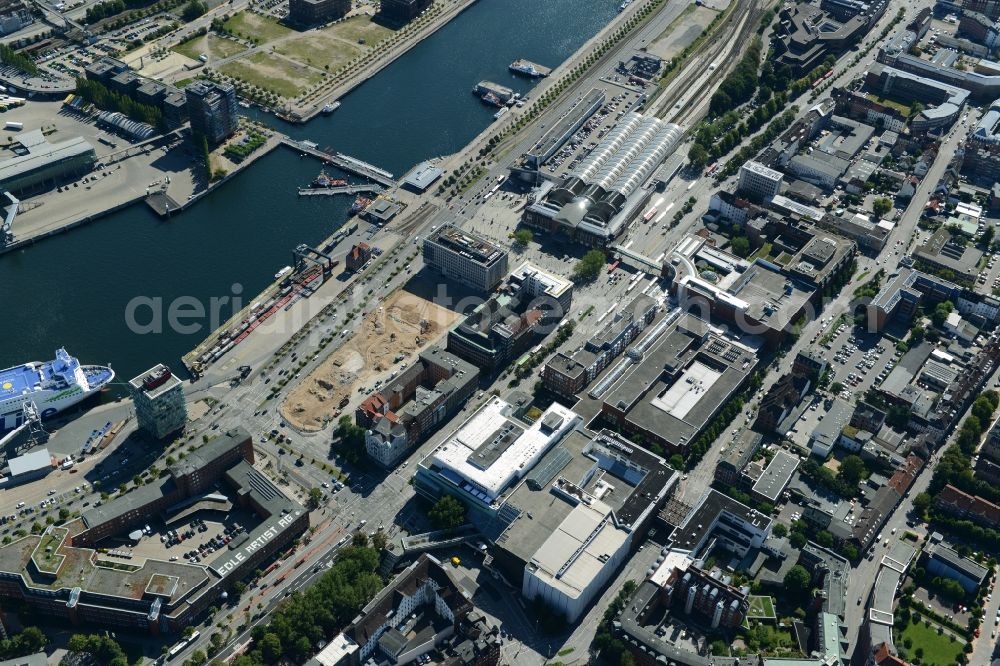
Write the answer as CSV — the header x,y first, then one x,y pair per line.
x,y
41,154
469,245
155,382
422,176
628,482
704,517
776,475
576,552
680,382
490,450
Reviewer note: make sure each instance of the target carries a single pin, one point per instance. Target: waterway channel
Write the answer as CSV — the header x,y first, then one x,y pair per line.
x,y
73,290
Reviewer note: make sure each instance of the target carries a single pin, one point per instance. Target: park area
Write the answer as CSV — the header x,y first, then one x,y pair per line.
x,y
211,45
923,640
406,324
284,61
274,73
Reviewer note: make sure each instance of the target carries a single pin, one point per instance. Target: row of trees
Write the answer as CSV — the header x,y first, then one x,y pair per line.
x,y
103,10
740,84
721,422
955,467
715,139
563,333
308,618
97,94
9,56
101,649
29,641
774,128
611,648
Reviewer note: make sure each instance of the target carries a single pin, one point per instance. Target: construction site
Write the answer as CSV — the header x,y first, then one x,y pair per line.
x,y
389,338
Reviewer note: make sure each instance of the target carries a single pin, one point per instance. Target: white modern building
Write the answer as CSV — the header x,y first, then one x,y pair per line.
x,y
465,258
759,181
578,559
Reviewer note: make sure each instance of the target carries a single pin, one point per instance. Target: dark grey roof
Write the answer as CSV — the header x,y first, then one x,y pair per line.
x,y
955,561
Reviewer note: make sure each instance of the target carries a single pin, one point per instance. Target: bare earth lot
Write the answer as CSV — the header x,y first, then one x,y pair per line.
x,y
404,325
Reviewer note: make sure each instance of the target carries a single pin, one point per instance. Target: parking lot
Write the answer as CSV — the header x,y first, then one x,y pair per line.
x,y
618,102
989,274
193,540
859,360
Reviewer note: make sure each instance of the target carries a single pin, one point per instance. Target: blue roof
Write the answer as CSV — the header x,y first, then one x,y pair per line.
x,y
27,378
15,381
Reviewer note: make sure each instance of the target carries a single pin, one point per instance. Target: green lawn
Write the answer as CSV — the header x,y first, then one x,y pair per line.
x,y
937,650
248,24
272,73
211,45
45,560
763,252
761,607
891,103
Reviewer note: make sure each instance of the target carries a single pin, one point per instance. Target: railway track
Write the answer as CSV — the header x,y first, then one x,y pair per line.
x,y
681,104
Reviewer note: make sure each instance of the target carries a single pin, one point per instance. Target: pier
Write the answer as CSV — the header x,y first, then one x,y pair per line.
x,y
343,162
344,189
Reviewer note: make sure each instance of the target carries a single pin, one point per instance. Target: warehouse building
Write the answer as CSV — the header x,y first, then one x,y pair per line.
x,y
29,467
39,164
595,202
465,257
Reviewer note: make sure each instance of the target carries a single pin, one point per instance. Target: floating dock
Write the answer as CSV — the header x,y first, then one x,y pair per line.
x,y
343,189
343,162
503,93
528,68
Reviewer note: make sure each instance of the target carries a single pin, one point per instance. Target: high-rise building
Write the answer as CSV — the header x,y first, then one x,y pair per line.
x,y
212,109
312,12
402,11
160,408
465,257
758,181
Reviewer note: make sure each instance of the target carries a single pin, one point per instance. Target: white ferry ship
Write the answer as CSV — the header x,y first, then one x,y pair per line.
x,y
53,386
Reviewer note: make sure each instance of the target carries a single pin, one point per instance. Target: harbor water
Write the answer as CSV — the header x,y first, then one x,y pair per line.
x,y
77,289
